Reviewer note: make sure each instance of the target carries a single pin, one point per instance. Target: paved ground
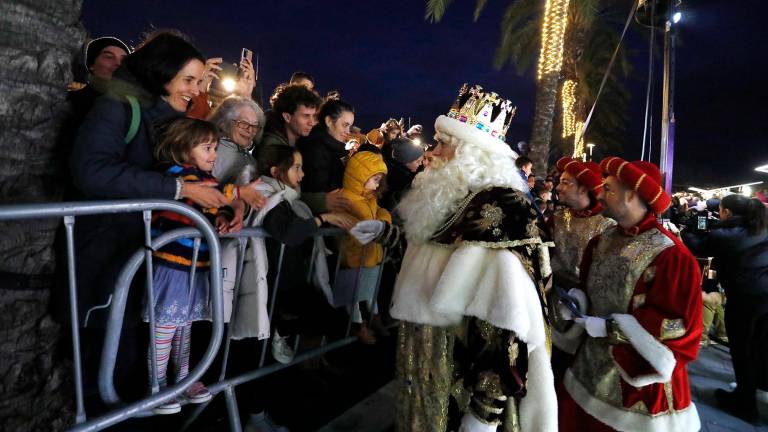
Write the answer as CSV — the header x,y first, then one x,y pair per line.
x,y
361,398
710,371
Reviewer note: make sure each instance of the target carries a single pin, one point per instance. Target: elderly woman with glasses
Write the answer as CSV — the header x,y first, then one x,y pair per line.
x,y
241,123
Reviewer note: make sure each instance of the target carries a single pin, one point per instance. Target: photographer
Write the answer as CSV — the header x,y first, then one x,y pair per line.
x,y
739,243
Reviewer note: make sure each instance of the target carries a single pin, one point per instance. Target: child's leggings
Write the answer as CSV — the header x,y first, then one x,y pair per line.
x,y
171,341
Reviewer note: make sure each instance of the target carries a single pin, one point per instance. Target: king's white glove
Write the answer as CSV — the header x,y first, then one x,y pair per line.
x,y
366,231
596,327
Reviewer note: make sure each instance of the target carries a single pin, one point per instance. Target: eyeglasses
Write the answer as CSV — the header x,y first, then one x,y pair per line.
x,y
244,125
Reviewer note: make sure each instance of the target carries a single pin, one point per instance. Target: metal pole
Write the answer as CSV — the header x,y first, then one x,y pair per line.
x,y
235,294
671,125
276,284
666,158
74,318
147,215
232,411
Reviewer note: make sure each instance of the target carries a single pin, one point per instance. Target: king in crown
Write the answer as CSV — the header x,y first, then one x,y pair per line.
x,y
469,291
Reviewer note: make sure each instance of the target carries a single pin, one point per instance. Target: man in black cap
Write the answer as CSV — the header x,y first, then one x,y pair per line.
x,y
102,57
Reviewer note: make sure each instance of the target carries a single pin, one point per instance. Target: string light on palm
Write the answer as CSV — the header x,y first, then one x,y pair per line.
x,y
552,34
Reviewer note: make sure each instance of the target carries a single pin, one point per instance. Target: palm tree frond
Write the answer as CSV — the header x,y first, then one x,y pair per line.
x,y
520,35
479,8
436,9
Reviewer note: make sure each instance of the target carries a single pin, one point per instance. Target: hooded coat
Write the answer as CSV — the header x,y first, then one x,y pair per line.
x,y
361,167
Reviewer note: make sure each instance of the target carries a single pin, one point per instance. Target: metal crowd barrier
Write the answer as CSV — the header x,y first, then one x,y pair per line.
x,y
69,211
225,384
119,299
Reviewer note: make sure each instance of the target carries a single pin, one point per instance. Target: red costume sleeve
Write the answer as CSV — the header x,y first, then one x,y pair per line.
x,y
667,305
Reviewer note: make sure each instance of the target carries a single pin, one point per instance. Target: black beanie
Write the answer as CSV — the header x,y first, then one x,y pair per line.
x,y
96,45
405,151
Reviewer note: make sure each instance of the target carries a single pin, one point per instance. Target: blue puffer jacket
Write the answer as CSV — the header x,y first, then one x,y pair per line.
x,y
741,260
103,166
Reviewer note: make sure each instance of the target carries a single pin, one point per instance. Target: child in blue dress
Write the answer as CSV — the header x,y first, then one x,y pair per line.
x,y
187,148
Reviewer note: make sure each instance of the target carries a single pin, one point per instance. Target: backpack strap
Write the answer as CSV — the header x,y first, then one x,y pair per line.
x,y
133,129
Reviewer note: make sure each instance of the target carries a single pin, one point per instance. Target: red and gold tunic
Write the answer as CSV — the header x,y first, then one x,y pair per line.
x,y
647,282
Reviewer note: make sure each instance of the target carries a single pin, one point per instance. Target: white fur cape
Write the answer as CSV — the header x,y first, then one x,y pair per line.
x,y
439,286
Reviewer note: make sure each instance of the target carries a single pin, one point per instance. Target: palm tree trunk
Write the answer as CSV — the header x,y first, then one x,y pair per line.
x,y
38,39
543,119
573,48
550,64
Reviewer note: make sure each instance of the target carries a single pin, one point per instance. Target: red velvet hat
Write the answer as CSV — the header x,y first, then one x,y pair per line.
x,y
586,173
642,177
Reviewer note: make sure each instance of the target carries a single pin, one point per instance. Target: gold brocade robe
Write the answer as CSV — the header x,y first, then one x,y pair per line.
x,y
445,371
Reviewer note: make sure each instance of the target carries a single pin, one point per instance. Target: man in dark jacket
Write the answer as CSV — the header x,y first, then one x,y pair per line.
x,y
292,115
102,57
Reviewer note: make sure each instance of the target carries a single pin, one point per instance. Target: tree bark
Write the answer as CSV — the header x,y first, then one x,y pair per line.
x,y
38,40
543,119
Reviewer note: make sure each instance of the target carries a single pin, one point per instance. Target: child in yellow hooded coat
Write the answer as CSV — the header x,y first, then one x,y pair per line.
x,y
362,177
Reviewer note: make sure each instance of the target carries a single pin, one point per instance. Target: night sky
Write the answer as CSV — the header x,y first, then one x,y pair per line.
x,y
389,62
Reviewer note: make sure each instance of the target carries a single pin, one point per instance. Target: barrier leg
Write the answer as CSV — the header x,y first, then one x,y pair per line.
x,y
147,215
232,411
235,295
74,319
263,357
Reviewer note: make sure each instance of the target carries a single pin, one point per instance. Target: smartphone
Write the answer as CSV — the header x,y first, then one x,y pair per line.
x,y
246,54
701,223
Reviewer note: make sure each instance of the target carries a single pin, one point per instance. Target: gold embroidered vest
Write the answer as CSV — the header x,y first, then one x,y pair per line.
x,y
618,262
571,235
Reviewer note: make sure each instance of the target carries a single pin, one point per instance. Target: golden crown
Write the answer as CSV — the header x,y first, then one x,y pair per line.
x,y
485,111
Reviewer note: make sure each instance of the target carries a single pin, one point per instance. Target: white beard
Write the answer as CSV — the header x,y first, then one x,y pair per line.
x,y
435,195
437,192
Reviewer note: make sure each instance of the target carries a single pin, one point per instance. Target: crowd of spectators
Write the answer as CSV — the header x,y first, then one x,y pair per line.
x,y
145,124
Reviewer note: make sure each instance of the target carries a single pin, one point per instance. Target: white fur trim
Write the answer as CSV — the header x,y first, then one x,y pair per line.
x,y
623,420
493,285
469,133
421,269
652,350
470,423
538,409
